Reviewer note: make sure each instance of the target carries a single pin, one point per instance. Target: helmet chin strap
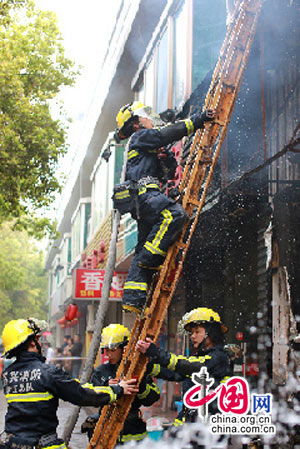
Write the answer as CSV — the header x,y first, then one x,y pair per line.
x,y
141,125
202,344
38,346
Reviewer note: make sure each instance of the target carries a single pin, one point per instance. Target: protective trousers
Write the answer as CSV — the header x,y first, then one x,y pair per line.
x,y
161,221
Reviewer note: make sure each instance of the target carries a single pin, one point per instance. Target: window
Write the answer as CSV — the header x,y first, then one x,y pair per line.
x,y
106,174
87,215
162,73
99,195
140,94
69,257
79,224
180,55
76,235
149,84
209,30
183,50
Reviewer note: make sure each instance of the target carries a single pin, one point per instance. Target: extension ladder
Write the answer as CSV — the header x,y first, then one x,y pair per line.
x,y
199,168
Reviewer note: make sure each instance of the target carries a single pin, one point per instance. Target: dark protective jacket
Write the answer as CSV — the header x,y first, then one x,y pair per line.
x,y
216,360
142,153
32,390
134,426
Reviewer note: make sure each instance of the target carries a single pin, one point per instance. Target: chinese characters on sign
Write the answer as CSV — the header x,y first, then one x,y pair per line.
x,y
88,284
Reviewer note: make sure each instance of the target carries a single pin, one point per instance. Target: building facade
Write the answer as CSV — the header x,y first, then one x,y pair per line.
x,y
243,260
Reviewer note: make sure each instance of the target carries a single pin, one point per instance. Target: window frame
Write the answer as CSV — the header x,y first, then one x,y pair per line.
x,y
167,22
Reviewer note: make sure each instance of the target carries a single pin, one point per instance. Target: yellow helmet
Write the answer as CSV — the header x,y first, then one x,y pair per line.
x,y
200,315
127,113
114,335
16,332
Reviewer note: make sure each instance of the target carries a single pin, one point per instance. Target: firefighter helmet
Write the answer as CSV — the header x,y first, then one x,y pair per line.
x,y
113,336
126,115
201,315
16,332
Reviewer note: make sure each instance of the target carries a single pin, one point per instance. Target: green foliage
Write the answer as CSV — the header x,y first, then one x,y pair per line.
x,y
33,69
23,282
7,5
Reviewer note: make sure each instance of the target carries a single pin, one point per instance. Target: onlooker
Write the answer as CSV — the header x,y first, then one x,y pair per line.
x,y
58,358
50,354
67,355
65,343
75,351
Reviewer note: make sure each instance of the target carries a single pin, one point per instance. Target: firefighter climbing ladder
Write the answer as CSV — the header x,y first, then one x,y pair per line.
x,y
199,168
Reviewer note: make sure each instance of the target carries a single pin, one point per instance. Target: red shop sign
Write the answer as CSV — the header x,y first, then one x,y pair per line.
x,y
88,284
252,369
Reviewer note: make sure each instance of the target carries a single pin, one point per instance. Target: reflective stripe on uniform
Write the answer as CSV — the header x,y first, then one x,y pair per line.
x,y
189,126
152,249
148,186
136,437
178,422
200,359
106,390
132,153
56,446
155,370
155,388
122,195
153,246
152,186
224,379
130,285
147,390
29,397
172,362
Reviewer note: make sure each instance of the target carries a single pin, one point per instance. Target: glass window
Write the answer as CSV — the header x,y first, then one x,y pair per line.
x,y
180,56
99,194
162,73
51,284
69,257
140,94
119,159
87,215
149,84
76,228
209,30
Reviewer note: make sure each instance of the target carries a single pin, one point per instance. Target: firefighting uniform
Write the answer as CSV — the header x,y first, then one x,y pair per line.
x,y
216,360
32,390
134,426
161,219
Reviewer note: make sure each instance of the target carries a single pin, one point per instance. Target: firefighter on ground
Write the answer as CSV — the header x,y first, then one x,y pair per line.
x,y
207,337
160,219
32,390
114,338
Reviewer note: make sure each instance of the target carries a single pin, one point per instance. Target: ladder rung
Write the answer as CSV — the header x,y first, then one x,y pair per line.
x,y
193,202
240,47
205,161
229,86
219,122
